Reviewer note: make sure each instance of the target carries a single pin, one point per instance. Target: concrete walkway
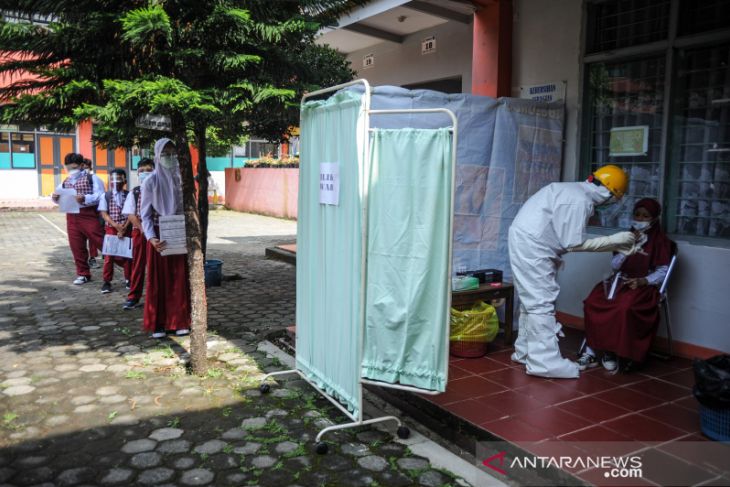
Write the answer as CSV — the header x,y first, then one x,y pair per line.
x,y
87,398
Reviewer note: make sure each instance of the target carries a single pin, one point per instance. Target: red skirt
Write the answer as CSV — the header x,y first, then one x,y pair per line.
x,y
167,299
626,325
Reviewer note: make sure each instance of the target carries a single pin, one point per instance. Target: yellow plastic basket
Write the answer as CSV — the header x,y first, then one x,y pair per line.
x,y
472,329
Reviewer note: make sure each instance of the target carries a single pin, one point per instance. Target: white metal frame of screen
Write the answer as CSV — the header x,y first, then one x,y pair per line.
x,y
365,170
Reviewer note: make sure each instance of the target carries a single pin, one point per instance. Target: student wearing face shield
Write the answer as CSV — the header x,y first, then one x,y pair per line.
x,y
110,207
551,223
167,299
624,327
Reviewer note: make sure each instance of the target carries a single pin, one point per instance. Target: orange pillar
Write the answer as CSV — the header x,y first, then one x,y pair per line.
x,y
491,63
84,132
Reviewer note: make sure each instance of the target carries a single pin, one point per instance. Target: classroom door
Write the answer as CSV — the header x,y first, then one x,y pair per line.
x,y
107,159
51,151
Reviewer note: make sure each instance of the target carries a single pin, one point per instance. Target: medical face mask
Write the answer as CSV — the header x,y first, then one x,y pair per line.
x,y
71,172
142,176
168,161
641,226
611,200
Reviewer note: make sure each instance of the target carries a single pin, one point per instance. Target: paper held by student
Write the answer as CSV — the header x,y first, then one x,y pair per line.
x,y
119,247
67,200
172,232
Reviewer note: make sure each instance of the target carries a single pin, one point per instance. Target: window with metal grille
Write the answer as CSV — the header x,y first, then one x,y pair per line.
x,y
615,24
699,197
626,94
703,15
685,112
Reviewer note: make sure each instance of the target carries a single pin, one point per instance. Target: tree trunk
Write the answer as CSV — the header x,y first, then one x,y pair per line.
x,y
202,188
198,300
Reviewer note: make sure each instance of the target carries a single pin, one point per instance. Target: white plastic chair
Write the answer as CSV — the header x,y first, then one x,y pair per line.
x,y
664,298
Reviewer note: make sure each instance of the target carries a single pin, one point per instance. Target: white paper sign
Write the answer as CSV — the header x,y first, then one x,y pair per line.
x,y
329,183
172,231
67,200
119,247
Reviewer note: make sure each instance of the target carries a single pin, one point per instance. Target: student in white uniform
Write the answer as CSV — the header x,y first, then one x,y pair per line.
x,y
83,228
110,207
132,208
93,251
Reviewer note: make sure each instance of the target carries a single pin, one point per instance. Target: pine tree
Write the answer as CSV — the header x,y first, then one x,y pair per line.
x,y
235,67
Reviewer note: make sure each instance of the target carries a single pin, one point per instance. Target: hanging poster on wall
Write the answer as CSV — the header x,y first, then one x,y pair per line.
x,y
329,183
629,141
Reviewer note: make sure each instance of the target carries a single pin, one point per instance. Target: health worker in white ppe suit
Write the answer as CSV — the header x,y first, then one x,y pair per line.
x,y
551,223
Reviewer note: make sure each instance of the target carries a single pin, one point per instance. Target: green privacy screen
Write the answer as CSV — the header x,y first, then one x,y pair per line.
x,y
329,249
409,214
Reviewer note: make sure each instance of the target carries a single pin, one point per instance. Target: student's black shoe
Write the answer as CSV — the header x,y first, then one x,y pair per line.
x,y
130,304
93,263
126,283
106,287
81,280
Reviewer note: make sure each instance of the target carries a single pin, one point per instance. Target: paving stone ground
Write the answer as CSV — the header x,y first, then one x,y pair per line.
x,y
87,398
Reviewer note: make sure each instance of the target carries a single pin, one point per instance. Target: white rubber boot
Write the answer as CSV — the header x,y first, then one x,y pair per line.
x,y
520,353
543,353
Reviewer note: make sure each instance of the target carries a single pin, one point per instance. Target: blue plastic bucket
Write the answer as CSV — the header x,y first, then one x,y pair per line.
x,y
213,272
715,423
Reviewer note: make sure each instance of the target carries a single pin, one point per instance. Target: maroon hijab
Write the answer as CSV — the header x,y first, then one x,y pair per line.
x,y
658,245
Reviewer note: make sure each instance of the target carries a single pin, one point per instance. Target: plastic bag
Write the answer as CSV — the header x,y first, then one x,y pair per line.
x,y
478,324
712,381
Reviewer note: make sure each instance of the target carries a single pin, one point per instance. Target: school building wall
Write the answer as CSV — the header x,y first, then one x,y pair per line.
x,y
403,64
18,183
546,47
33,167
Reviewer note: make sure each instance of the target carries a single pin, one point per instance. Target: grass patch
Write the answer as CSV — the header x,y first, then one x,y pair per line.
x,y
173,422
298,452
268,440
135,374
275,427
215,373
166,351
9,421
414,474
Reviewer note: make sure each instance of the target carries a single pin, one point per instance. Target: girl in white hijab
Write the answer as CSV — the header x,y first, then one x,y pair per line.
x,y
163,187
167,300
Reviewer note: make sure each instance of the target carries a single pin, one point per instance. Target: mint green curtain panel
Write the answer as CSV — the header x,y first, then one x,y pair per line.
x,y
329,248
409,217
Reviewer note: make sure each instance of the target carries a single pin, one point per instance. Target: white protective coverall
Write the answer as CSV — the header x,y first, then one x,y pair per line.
x,y
549,223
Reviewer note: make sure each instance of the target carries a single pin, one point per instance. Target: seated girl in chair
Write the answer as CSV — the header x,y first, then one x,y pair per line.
x,y
624,327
